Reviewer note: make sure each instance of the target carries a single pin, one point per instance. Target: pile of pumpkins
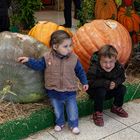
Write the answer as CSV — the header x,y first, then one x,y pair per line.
x,y
89,38
125,12
19,83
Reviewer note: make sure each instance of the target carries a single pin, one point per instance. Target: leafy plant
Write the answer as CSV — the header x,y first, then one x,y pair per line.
x,y
23,16
137,6
87,11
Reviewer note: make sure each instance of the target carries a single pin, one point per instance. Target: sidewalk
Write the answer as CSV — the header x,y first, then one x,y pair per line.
x,y
115,128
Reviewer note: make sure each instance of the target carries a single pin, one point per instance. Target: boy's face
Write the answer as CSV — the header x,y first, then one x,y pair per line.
x,y
107,63
65,48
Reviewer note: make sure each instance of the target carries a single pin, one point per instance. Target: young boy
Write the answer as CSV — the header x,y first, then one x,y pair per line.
x,y
105,77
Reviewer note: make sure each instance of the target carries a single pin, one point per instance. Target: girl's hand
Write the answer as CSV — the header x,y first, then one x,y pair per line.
x,y
23,59
85,87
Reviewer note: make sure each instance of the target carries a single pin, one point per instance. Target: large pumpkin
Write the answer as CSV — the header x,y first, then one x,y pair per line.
x,y
105,9
90,37
43,30
18,83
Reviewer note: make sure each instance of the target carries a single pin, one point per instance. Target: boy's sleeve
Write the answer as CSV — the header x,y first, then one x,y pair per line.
x,y
95,81
121,77
36,64
80,73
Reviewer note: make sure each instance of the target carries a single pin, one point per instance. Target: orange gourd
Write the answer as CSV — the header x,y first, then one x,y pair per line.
x,y
42,31
105,9
129,19
92,36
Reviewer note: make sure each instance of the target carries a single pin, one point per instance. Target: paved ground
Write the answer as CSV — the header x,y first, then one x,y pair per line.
x,y
115,128
55,16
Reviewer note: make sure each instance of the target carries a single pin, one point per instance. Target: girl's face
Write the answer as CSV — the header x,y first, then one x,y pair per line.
x,y
65,48
107,63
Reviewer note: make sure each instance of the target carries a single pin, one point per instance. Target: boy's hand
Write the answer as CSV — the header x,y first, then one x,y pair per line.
x,y
112,85
85,87
23,59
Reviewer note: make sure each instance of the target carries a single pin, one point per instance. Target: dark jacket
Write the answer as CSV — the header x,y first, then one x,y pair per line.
x,y
97,77
4,5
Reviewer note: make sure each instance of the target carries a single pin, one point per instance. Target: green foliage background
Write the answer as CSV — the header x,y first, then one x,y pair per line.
x,y
23,12
87,11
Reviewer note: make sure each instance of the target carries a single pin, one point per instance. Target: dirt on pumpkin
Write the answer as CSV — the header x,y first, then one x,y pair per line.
x,y
11,111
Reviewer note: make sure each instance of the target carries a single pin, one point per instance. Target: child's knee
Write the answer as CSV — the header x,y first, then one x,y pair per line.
x,y
100,93
122,89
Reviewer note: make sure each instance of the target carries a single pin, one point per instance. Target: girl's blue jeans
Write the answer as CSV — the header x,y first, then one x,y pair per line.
x,y
71,110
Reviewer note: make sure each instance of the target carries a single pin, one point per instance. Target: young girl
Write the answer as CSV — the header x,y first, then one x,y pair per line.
x,y
61,66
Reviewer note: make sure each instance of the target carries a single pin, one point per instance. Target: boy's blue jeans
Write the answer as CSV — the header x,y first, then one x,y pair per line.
x,y
71,110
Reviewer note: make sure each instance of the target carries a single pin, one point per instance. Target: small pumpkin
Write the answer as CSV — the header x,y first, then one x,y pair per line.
x,y
92,36
105,9
43,30
129,19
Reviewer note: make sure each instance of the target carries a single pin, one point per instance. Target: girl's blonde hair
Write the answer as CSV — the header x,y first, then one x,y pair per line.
x,y
58,37
108,51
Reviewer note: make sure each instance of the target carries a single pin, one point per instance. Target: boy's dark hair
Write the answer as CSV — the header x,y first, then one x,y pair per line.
x,y
58,37
108,51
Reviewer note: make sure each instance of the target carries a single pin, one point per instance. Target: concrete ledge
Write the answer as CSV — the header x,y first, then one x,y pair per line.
x,y
41,119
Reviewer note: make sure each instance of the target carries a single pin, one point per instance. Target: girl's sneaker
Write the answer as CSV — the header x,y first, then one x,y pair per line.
x,y
75,130
58,128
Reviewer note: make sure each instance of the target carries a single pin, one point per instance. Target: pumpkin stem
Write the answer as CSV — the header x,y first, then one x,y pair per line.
x,y
105,2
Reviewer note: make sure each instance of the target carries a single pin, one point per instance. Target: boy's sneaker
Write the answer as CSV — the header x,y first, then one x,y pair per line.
x,y
98,118
75,130
119,111
58,128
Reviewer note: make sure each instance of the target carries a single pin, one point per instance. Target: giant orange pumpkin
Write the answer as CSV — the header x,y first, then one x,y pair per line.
x,y
42,31
92,36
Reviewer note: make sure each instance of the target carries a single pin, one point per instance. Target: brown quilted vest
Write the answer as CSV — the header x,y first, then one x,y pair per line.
x,y
59,73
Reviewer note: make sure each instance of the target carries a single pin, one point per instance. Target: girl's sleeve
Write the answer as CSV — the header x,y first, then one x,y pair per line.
x,y
121,77
80,73
36,64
